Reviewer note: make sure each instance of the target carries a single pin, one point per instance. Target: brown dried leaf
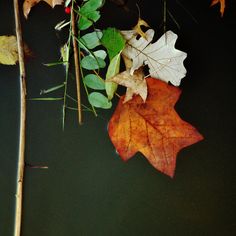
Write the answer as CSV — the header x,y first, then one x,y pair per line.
x,y
222,5
136,84
28,4
9,50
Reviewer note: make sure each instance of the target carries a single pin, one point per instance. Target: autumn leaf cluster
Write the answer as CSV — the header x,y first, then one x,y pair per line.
x,y
145,120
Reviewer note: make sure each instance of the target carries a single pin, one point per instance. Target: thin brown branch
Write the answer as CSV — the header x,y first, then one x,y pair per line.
x,y
76,60
21,155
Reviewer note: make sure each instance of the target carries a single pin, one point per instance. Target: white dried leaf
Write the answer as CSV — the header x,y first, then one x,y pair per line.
x,y
165,62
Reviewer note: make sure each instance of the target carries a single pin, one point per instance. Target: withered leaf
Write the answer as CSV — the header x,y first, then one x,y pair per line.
x,y
165,62
28,4
136,84
222,5
138,29
152,128
9,50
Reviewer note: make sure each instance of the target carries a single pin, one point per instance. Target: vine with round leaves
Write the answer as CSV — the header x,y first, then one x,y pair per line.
x,y
98,50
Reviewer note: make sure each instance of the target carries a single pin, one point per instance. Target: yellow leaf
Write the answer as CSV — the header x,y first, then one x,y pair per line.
x,y
138,29
8,50
28,4
222,5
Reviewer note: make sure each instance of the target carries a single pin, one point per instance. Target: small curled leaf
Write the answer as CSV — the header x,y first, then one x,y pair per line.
x,y
113,69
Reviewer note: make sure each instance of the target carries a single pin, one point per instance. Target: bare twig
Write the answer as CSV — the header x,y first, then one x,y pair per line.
x,y
164,18
21,155
76,60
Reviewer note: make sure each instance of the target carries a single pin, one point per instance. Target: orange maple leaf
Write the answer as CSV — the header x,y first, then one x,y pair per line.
x,y
222,5
152,128
28,4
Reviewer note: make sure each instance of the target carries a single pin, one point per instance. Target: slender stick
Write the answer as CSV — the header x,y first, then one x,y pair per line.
x,y
164,16
76,60
164,19
21,156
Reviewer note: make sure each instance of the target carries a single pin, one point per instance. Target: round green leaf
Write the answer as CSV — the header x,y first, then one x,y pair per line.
x,y
94,82
91,63
94,15
91,5
100,53
84,23
99,100
91,40
113,41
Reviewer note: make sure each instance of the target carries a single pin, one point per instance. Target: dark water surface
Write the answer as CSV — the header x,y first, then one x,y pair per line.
x,y
87,189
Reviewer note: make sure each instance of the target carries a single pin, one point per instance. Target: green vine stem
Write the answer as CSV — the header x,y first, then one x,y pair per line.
x,y
21,155
67,74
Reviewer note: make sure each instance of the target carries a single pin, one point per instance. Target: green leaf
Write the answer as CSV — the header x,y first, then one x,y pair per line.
x,y
91,40
55,63
91,5
113,41
99,100
100,53
94,82
89,14
84,23
113,69
52,89
46,99
94,15
91,63
65,53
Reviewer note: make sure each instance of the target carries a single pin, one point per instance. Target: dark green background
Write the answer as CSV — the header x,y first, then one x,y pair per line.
x,y
87,189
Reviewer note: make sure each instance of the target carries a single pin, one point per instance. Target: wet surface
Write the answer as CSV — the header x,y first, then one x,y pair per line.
x,y
87,189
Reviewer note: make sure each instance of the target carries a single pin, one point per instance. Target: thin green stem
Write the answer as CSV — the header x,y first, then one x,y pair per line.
x,y
164,17
67,74
85,87
173,19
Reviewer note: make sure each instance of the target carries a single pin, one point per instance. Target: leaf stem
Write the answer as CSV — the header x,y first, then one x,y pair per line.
x,y
85,87
21,155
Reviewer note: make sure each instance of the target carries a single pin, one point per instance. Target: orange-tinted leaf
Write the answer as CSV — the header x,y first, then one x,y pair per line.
x,y
152,128
28,4
222,5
